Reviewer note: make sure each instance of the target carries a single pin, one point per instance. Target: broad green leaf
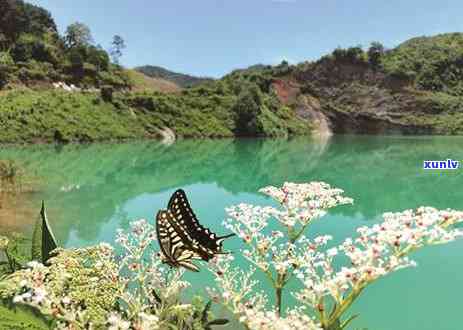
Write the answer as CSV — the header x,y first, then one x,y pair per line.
x,y
43,240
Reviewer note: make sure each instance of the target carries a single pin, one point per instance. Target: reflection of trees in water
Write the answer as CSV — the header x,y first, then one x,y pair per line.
x,y
385,173
380,173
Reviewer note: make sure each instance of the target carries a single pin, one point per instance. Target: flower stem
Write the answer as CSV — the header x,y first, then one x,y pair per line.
x,y
278,292
341,308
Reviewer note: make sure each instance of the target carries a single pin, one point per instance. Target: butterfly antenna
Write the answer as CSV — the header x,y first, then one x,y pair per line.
x,y
226,236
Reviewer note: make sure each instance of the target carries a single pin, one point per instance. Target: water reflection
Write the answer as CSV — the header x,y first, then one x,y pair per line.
x,y
92,190
89,187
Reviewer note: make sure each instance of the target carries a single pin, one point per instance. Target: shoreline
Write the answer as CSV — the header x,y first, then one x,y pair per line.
x,y
240,137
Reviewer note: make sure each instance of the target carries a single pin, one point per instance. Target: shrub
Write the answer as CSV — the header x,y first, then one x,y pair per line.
x,y
30,47
247,108
375,53
107,93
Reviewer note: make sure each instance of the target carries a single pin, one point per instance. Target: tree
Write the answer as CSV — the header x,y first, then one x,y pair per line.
x,y
375,52
36,19
78,34
118,45
9,22
247,109
98,57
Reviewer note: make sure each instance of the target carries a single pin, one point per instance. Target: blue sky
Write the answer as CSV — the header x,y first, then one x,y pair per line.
x,y
213,37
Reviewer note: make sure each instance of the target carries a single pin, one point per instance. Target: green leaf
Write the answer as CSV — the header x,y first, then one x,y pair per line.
x,y
336,325
205,311
350,319
217,322
43,240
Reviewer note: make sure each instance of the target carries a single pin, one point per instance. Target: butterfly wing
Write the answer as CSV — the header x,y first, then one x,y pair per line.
x,y
175,251
188,239
182,211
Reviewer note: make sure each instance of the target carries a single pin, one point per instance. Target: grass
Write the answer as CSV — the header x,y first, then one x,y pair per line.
x,y
143,83
46,116
18,318
207,111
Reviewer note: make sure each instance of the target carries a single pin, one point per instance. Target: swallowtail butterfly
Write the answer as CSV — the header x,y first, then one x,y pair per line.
x,y
205,242
176,248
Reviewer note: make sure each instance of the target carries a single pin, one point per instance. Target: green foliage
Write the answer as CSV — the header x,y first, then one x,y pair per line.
x,y
98,57
6,59
43,240
375,53
6,65
37,53
19,317
350,55
432,63
107,93
33,115
78,35
248,108
15,252
19,17
31,47
9,22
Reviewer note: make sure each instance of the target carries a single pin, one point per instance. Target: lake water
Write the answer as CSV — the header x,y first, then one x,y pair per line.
x,y
92,190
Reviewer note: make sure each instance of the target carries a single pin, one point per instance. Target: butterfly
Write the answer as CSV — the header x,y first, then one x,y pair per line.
x,y
204,240
176,247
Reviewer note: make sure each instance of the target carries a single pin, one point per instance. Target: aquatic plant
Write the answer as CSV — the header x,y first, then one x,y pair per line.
x,y
10,174
327,291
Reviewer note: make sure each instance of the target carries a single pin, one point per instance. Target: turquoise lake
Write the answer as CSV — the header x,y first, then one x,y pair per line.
x,y
92,190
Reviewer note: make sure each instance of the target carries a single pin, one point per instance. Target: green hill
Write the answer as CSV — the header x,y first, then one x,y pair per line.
x,y
180,79
33,52
433,63
413,88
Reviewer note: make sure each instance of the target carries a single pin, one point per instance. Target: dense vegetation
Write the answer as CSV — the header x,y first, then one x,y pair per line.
x,y
31,50
414,88
33,55
212,111
433,63
182,80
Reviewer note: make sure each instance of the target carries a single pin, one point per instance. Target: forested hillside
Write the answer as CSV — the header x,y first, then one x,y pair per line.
x,y
413,88
33,52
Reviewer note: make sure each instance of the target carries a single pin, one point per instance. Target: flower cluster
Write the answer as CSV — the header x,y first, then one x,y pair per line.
x,y
95,288
73,292
327,291
378,251
146,270
301,203
237,291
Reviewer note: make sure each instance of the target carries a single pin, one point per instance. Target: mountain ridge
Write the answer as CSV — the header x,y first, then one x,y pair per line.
x,y
181,79
414,88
